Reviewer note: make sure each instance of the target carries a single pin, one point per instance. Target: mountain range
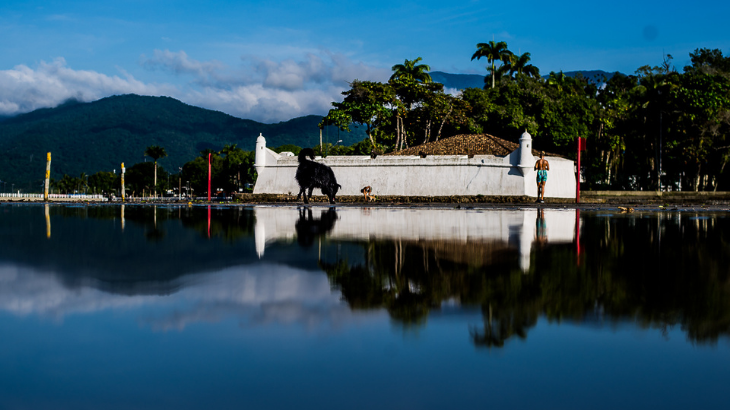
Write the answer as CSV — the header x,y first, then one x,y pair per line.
x,y
100,135
462,81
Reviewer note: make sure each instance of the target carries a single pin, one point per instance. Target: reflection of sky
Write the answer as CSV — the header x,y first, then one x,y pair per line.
x,y
272,333
262,293
106,358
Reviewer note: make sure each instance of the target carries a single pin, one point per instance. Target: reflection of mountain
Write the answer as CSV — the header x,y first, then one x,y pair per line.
x,y
144,252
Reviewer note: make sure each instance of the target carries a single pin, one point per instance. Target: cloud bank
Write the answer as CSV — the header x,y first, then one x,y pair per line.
x,y
259,295
259,89
24,89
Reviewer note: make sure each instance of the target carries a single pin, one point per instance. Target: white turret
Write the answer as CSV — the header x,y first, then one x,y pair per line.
x,y
260,159
526,160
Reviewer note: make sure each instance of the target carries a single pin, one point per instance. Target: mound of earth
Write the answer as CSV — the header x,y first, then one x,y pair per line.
x,y
465,144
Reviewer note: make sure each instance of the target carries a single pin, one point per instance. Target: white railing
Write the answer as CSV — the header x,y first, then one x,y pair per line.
x,y
97,197
53,196
172,198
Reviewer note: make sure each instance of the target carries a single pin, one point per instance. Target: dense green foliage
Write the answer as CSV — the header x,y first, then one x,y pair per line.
x,y
656,128
99,136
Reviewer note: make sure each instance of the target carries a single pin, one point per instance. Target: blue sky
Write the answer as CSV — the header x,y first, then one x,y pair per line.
x,y
274,60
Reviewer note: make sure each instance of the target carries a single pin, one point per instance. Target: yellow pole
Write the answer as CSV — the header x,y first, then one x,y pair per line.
x,y
122,181
48,176
48,223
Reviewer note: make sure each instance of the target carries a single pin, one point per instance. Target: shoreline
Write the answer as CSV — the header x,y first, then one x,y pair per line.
x,y
460,203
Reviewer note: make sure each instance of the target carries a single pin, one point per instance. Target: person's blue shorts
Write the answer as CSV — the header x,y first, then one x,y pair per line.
x,y
541,175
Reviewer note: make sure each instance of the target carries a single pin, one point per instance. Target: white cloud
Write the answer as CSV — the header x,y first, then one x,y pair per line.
x,y
255,295
180,63
24,89
267,90
259,89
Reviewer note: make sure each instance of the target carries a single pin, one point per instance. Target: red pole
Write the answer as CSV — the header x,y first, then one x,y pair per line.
x,y
577,237
577,183
209,176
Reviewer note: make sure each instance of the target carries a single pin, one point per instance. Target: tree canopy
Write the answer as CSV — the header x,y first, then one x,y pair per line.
x,y
657,128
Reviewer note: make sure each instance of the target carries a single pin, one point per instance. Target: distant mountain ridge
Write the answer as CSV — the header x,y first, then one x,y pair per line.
x,y
463,81
100,135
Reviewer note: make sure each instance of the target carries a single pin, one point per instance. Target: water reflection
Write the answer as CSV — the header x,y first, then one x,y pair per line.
x,y
258,264
308,228
497,230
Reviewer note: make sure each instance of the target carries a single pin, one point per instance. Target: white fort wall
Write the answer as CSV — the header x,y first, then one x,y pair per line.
x,y
516,228
435,175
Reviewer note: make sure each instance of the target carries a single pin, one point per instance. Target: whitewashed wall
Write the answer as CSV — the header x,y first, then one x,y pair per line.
x,y
514,227
441,175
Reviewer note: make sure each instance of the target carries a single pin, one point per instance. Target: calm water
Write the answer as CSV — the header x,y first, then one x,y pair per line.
x,y
332,308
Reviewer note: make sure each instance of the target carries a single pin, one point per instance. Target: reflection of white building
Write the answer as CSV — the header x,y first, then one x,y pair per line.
x,y
516,228
436,175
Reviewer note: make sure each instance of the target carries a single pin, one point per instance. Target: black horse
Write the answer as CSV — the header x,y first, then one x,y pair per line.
x,y
312,175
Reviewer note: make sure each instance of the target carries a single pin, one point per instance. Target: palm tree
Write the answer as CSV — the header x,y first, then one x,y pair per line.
x,y
493,51
82,182
228,148
500,72
66,184
521,66
155,152
204,153
558,80
410,70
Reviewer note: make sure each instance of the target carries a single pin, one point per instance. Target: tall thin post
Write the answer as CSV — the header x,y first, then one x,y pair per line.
x,y
577,237
320,140
659,176
48,222
577,182
209,154
48,176
122,181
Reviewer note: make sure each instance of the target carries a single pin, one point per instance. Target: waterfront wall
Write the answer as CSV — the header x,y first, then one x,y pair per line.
x,y
436,175
515,228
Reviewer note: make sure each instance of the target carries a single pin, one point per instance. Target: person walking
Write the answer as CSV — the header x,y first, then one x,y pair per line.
x,y
542,167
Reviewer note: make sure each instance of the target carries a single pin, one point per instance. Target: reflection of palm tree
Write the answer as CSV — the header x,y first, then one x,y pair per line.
x,y
493,51
501,325
155,152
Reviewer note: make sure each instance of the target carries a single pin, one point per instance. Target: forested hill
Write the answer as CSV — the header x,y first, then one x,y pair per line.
x,y
99,136
463,81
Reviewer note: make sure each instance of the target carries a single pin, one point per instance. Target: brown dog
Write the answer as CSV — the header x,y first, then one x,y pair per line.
x,y
366,191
